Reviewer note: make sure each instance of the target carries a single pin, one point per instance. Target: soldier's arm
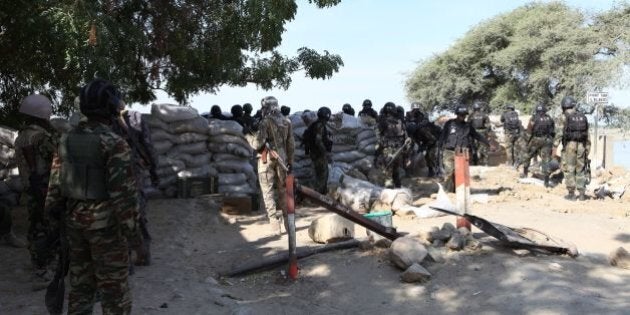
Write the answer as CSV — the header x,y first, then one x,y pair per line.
x,y
477,136
557,139
261,137
121,184
55,202
290,145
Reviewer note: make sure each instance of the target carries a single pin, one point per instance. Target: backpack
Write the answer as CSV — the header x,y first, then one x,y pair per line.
x,y
512,122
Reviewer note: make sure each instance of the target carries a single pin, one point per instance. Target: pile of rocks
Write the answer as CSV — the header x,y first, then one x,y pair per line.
x,y
10,183
231,156
450,237
180,138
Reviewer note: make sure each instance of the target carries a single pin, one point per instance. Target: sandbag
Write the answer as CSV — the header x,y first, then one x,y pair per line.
x,y
7,136
174,164
189,137
366,142
369,150
330,228
156,123
218,157
195,125
343,148
201,171
231,148
348,157
161,135
243,189
296,120
234,167
163,146
191,148
227,138
341,121
219,127
309,117
366,134
226,179
298,132
365,164
170,113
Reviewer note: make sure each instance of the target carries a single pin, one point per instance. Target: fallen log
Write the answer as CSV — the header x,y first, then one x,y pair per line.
x,y
281,258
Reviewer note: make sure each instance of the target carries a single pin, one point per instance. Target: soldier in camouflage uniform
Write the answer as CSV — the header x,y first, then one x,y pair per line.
x,y
573,133
512,128
130,126
317,144
392,136
93,188
34,149
457,135
275,131
481,122
542,131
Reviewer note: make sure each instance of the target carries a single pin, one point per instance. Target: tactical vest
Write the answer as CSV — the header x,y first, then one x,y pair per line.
x,y
543,126
394,133
458,135
512,123
83,166
476,120
576,127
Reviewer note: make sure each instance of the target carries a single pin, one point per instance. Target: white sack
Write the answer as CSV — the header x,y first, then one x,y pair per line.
x,y
170,113
329,228
218,127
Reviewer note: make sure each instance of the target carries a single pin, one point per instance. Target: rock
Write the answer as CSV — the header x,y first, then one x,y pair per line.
x,y
428,235
448,227
463,231
456,242
415,273
406,251
436,254
366,245
383,243
329,228
441,235
521,252
619,258
437,243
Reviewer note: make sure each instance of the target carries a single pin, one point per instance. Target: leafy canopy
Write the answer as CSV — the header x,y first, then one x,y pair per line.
x,y
536,53
183,47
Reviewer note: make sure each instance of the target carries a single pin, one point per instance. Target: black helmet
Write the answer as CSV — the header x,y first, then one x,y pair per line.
x,y
568,102
389,108
540,108
367,103
400,111
510,106
247,108
237,111
99,98
323,113
215,110
285,110
347,109
461,110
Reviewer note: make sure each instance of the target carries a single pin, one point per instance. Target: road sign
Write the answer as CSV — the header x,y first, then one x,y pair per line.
x,y
597,97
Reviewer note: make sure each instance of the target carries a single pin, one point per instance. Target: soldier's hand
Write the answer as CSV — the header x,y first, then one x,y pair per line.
x,y
289,168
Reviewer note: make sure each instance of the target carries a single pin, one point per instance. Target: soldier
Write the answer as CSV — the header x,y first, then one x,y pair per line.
x,y
542,131
317,144
130,126
426,134
512,128
457,135
481,122
34,148
368,110
275,134
215,112
93,190
285,110
347,109
573,132
248,120
392,137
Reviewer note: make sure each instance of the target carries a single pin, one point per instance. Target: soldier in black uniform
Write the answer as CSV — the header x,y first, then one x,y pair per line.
x,y
457,135
542,131
368,110
347,109
285,110
393,136
513,130
481,122
215,112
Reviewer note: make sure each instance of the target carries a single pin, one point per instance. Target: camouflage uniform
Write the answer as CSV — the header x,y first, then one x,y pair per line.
x,y
426,134
481,122
98,227
513,130
34,148
275,130
392,137
542,130
318,146
575,150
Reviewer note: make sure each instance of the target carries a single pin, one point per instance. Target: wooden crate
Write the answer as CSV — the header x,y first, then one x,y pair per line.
x,y
237,205
192,187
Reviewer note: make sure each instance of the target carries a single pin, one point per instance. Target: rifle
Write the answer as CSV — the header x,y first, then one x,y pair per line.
x,y
56,288
268,150
398,152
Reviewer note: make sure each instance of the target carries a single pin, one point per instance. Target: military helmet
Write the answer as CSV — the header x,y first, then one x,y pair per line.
x,y
285,110
237,111
367,103
477,106
99,98
568,102
347,108
323,113
510,106
269,103
215,110
540,108
461,110
247,108
36,105
389,108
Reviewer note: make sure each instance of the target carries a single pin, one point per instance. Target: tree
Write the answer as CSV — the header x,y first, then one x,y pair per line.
x,y
535,54
182,47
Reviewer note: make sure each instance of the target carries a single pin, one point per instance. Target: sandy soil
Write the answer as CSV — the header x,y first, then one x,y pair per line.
x,y
193,243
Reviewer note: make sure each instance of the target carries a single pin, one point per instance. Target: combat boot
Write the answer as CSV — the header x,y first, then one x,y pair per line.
x,y
570,195
547,185
582,196
525,171
431,173
11,240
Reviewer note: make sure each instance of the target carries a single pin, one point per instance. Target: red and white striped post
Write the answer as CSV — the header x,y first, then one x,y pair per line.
x,y
290,196
462,185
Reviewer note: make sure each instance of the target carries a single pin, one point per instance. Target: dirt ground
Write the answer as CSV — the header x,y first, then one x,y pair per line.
x,y
194,243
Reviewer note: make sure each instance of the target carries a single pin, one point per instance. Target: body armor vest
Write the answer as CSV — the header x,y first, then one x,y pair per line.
x,y
576,127
83,166
512,123
394,133
543,126
476,120
458,135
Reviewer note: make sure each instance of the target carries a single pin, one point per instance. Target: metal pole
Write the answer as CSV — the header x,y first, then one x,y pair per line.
x,y
604,158
462,186
595,132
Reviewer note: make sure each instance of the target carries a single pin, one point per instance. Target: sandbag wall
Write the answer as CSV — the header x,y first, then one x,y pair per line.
x,y
10,183
302,164
354,144
179,137
231,157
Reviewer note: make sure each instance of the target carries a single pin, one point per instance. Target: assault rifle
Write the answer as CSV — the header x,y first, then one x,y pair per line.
x,y
398,152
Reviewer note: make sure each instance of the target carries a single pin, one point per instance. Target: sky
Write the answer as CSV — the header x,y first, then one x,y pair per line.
x,y
380,42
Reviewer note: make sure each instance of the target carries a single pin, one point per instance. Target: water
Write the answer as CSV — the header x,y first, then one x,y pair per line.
x,y
621,153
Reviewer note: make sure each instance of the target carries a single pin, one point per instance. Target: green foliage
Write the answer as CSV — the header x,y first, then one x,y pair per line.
x,y
536,53
182,47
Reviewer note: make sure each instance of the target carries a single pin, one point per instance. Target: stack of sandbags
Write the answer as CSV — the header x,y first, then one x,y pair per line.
x,y
179,137
354,142
302,163
231,156
10,183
